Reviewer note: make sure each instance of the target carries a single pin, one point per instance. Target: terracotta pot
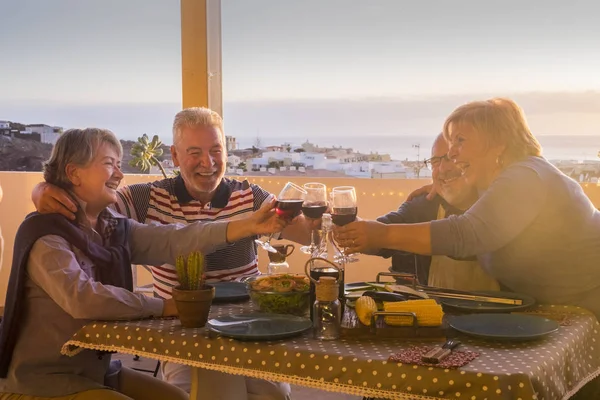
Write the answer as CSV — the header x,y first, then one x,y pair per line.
x,y
193,305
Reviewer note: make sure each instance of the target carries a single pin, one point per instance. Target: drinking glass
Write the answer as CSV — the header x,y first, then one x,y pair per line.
x,y
315,204
289,206
343,202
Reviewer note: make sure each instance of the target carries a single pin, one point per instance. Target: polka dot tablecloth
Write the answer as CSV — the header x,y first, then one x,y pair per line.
x,y
552,368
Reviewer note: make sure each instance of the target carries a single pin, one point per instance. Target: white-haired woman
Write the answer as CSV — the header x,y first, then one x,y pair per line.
x,y
65,273
533,228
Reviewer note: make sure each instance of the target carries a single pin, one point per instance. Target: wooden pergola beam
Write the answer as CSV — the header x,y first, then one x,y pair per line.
x,y
201,54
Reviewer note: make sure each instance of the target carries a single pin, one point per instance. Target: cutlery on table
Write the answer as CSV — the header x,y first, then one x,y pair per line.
x,y
438,353
384,296
218,324
429,291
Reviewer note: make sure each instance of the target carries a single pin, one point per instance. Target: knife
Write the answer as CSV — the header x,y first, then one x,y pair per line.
x,y
437,354
384,296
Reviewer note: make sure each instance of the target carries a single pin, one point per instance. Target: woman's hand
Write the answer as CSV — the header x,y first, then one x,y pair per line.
x,y
266,221
50,199
262,222
361,236
169,308
427,189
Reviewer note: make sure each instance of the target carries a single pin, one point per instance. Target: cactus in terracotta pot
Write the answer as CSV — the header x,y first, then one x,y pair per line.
x,y
191,273
193,297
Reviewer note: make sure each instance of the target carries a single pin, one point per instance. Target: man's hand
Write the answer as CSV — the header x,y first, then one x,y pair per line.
x,y
50,199
313,224
361,236
427,189
169,308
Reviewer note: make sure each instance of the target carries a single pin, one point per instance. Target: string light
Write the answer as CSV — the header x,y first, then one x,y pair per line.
x,y
373,194
329,189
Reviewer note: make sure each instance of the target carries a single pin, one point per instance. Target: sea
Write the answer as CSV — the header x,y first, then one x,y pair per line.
x,y
413,147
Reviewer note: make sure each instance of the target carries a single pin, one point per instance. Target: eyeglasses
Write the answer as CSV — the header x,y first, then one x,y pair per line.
x,y
435,161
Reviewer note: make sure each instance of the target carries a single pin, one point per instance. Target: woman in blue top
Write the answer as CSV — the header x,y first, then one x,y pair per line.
x,y
533,228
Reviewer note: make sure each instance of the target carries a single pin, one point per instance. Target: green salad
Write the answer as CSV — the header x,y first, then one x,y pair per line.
x,y
281,294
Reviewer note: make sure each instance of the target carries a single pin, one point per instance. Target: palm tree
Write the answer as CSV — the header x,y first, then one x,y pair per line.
x,y
145,154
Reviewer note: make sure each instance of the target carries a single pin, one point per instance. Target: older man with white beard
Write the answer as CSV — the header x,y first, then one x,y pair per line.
x,y
455,197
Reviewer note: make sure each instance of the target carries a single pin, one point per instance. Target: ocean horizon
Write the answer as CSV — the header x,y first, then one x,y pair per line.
x,y
390,126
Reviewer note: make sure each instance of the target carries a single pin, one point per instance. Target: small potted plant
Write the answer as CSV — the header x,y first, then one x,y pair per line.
x,y
193,297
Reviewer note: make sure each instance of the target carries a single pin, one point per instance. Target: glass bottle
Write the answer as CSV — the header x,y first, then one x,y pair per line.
x,y
327,249
327,310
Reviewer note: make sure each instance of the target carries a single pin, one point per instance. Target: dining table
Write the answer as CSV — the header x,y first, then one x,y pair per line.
x,y
554,367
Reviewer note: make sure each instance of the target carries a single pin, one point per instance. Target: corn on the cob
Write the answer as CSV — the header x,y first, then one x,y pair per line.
x,y
428,312
365,307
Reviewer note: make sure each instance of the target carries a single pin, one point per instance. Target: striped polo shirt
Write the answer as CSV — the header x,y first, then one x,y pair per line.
x,y
167,201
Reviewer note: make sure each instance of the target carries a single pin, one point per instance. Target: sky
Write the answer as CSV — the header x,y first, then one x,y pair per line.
x,y
310,67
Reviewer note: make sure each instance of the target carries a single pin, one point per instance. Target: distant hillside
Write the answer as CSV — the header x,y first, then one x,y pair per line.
x,y
22,155
28,155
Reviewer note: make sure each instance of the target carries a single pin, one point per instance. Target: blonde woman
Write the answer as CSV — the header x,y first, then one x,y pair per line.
x,y
532,228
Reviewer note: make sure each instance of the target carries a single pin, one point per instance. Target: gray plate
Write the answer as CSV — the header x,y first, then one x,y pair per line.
x,y
230,292
503,326
479,307
259,326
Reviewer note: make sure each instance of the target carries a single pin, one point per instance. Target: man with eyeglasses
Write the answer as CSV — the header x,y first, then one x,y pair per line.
x,y
455,196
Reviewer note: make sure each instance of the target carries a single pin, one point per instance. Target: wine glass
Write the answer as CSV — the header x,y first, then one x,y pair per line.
x,y
343,202
315,204
289,206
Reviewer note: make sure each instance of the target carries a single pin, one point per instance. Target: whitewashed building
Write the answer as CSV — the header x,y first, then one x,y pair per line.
x,y
48,134
388,170
313,160
234,160
230,143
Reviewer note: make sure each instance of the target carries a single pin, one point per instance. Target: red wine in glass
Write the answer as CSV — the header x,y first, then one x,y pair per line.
x,y
288,209
314,210
343,215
